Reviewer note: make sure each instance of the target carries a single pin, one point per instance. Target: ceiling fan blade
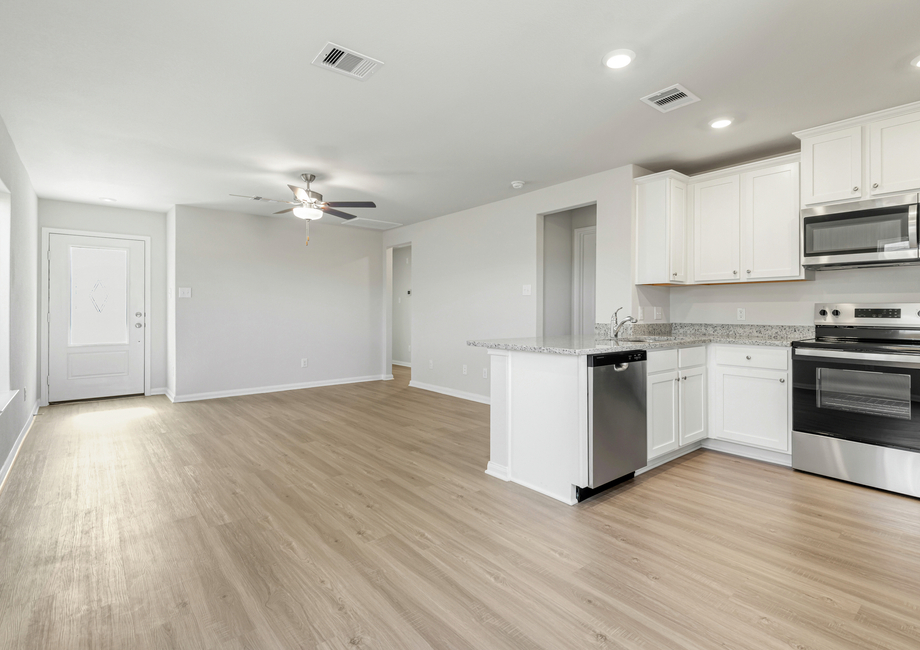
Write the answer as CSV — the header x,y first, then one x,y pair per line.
x,y
262,198
299,192
283,211
351,204
336,213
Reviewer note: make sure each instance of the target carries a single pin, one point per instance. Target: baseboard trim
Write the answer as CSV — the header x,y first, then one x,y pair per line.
x,y
472,397
401,363
668,457
157,391
195,397
14,452
755,453
498,471
171,395
568,500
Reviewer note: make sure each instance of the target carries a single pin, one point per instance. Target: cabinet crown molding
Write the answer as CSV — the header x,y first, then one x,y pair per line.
x,y
747,167
860,120
651,178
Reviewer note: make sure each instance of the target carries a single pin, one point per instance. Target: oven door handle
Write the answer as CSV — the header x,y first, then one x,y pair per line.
x,y
898,359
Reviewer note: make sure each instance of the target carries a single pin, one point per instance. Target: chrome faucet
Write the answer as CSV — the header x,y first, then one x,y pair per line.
x,y
616,326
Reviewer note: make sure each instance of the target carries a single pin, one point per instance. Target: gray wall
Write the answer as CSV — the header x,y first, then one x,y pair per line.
x,y
402,304
122,221
558,258
23,293
261,301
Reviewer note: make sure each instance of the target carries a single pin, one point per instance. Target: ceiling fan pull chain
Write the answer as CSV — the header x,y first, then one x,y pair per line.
x,y
308,232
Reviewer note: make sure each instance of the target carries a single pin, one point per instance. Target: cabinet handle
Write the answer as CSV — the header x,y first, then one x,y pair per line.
x,y
874,186
674,274
855,189
782,381
735,272
685,379
749,270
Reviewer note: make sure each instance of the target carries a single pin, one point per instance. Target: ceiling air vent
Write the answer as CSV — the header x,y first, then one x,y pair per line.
x,y
372,224
670,98
347,62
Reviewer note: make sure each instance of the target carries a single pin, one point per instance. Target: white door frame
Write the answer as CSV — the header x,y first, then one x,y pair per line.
x,y
45,283
578,244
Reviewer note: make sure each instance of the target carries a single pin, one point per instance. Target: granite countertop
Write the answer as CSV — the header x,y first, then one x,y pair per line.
x,y
658,336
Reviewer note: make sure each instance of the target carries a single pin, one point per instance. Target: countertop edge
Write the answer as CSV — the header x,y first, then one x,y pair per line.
x,y
656,345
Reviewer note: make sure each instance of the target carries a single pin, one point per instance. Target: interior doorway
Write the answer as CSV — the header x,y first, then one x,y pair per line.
x,y
402,307
569,271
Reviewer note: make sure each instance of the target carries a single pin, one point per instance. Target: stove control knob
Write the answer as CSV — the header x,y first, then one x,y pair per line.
x,y
836,312
823,312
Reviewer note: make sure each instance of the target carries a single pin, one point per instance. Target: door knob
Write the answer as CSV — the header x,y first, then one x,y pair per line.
x,y
138,325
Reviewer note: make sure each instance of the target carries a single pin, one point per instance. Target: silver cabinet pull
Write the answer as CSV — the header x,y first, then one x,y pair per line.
x,y
749,270
782,381
735,272
674,274
855,189
138,315
874,186
685,379
748,357
137,325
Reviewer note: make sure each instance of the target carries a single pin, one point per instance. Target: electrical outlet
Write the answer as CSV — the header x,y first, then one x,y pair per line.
x,y
641,313
304,363
485,373
526,290
430,364
185,292
659,313
741,315
464,368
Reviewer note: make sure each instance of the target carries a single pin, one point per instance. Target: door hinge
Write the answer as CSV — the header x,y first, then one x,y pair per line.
x,y
49,316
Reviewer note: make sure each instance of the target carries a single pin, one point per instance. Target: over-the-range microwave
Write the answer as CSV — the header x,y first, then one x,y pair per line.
x,y
878,232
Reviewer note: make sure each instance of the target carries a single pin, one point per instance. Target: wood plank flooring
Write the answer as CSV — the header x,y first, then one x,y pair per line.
x,y
359,516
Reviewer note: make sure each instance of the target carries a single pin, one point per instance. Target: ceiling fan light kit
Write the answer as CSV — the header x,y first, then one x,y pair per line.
x,y
309,205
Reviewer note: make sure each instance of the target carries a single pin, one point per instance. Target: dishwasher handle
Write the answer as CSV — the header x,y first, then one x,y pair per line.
x,y
620,367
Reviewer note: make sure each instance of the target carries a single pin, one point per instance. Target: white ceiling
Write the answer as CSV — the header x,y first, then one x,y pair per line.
x,y
186,101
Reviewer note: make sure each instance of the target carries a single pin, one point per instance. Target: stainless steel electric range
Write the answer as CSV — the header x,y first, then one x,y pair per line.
x,y
856,396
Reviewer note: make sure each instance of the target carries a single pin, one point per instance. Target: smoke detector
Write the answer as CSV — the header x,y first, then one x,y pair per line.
x,y
670,98
347,62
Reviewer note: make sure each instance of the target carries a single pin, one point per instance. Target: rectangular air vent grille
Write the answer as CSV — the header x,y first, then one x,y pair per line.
x,y
347,62
372,224
670,98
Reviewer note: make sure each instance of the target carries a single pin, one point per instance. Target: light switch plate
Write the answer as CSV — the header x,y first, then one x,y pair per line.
x,y
185,292
659,313
526,291
464,368
485,373
741,315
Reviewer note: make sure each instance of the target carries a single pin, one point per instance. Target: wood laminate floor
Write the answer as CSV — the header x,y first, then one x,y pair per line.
x,y
359,516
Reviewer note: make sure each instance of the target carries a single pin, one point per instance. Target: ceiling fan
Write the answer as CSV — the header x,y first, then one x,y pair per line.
x,y
309,205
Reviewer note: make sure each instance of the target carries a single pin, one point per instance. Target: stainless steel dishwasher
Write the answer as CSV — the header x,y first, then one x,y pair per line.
x,y
617,435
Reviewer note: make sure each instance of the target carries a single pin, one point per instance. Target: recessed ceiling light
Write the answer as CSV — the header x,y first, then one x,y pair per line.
x,y
107,199
916,62
720,123
619,58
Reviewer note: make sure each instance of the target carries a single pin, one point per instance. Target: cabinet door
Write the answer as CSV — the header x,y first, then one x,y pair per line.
x,y
692,405
751,406
663,408
652,232
832,167
677,205
717,221
770,223
894,158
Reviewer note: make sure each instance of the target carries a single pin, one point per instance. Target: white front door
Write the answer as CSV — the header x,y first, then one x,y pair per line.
x,y
96,317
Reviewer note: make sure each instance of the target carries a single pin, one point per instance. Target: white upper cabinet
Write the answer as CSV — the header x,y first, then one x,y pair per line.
x,y
862,157
770,223
894,154
661,240
717,229
832,167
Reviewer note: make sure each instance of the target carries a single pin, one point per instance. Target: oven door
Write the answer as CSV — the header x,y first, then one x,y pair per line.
x,y
866,397
878,231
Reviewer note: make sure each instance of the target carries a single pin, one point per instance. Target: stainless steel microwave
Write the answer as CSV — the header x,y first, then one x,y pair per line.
x,y
879,232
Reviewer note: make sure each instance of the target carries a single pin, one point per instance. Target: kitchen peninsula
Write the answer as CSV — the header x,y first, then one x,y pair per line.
x,y
540,429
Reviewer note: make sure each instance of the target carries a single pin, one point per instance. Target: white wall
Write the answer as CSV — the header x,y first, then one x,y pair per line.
x,y
792,303
261,301
23,278
402,304
469,269
122,221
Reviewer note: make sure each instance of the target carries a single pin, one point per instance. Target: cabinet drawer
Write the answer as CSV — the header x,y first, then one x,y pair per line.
x,y
752,357
691,357
661,360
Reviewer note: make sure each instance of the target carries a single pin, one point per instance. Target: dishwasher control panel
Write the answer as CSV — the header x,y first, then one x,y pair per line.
x,y
612,358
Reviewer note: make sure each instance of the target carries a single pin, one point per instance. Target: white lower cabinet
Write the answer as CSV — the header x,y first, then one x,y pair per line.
x,y
676,400
750,404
